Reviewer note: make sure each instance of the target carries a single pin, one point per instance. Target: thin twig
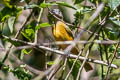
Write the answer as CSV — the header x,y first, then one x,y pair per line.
x,y
93,61
99,9
105,49
38,20
48,49
72,57
73,65
82,65
64,42
109,67
54,72
82,42
102,67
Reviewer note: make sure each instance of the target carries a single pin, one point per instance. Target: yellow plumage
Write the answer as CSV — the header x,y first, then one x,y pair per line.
x,y
62,32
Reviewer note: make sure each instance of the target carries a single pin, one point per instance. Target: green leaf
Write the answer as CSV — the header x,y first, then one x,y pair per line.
x,y
11,22
30,32
118,51
6,12
42,25
114,4
21,56
45,5
21,73
7,3
50,63
23,65
111,33
26,36
24,51
78,1
31,6
76,67
111,48
65,4
10,3
28,51
115,21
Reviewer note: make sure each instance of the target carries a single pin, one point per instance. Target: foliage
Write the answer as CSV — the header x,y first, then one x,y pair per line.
x,y
19,72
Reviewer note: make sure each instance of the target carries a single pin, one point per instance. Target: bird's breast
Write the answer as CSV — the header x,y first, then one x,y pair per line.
x,y
60,32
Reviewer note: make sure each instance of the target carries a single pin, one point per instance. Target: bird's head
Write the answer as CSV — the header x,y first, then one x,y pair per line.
x,y
55,15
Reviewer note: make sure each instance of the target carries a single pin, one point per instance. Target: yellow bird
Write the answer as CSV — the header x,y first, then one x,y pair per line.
x,y
62,32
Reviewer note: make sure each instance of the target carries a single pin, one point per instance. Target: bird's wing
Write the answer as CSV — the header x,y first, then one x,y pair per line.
x,y
68,31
